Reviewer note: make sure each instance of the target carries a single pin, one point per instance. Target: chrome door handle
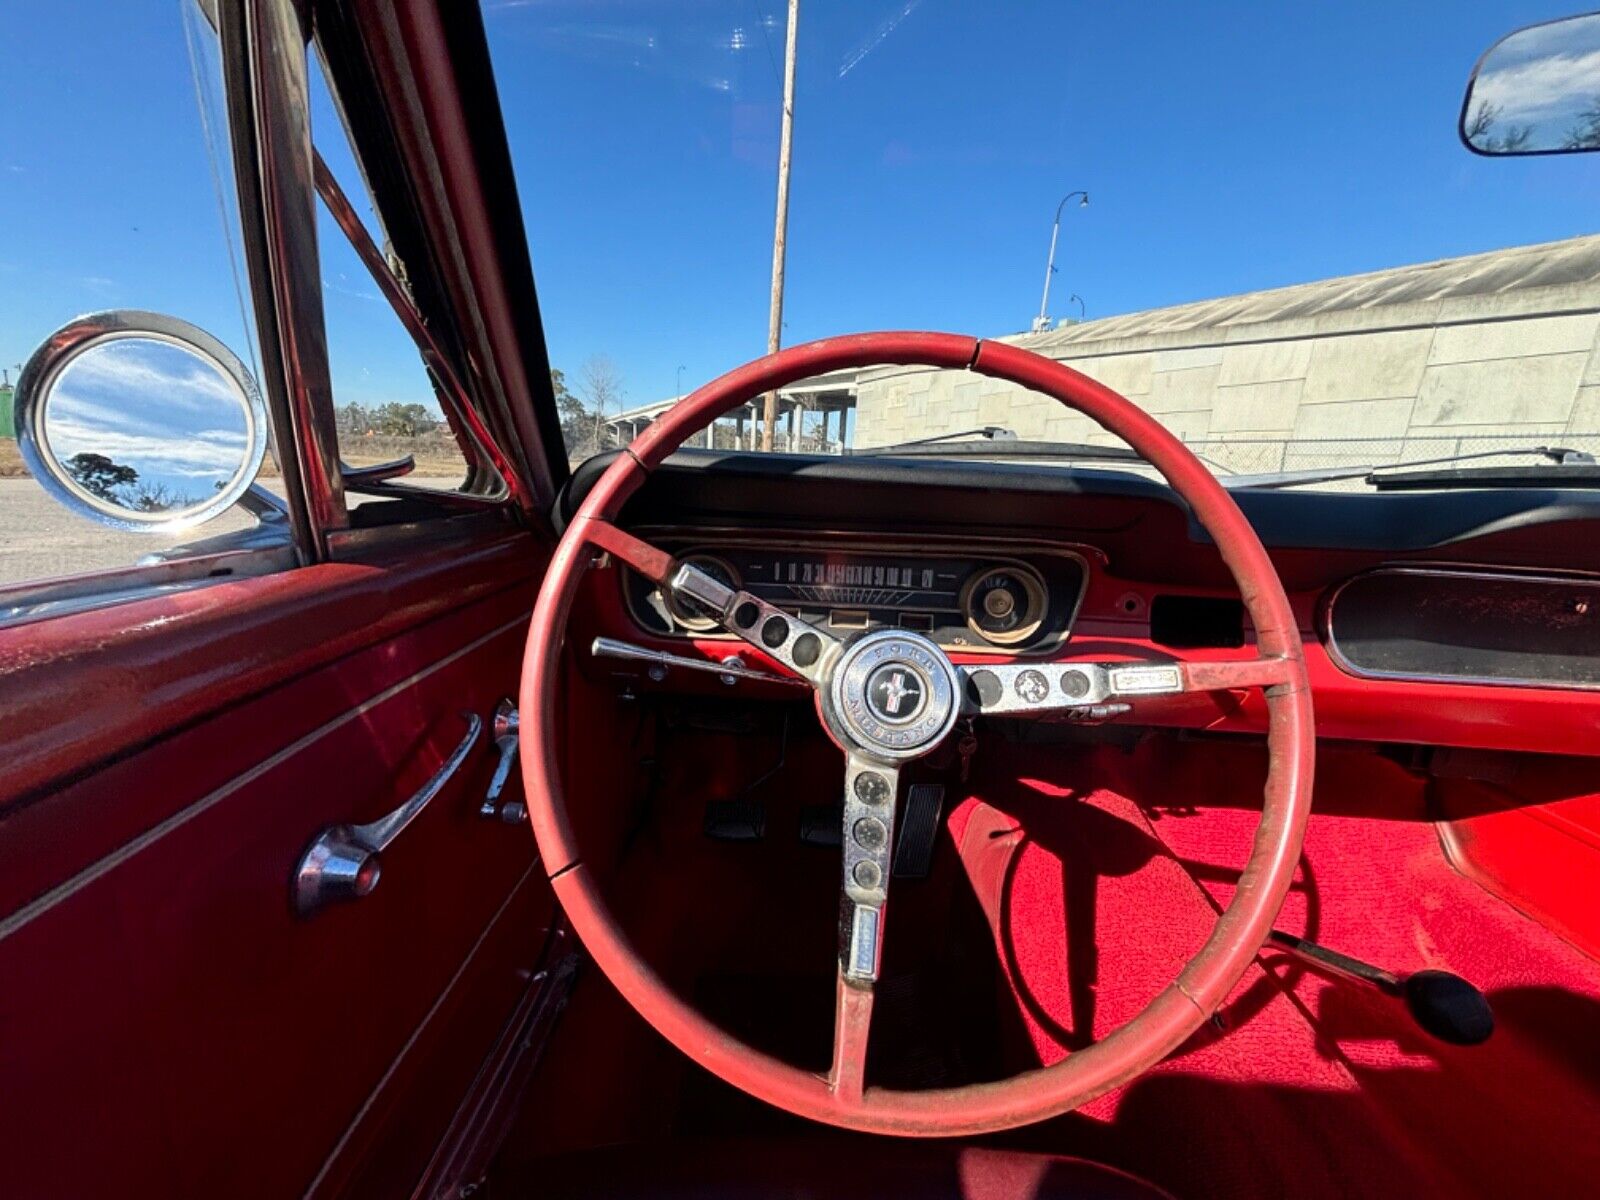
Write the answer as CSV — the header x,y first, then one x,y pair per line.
x,y
344,862
505,743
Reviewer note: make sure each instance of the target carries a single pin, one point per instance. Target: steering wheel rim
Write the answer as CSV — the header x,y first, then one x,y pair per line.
x,y
840,1098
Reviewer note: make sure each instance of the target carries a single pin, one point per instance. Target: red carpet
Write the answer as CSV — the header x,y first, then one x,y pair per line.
x,y
1356,1103
1075,882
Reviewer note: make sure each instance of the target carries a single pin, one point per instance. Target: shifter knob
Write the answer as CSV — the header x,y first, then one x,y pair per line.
x,y
1448,1007
1443,1004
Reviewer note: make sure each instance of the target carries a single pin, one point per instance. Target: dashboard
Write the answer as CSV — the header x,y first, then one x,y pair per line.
x,y
978,596
1465,618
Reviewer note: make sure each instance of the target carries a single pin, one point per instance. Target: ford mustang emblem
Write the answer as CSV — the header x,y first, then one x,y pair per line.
x,y
894,692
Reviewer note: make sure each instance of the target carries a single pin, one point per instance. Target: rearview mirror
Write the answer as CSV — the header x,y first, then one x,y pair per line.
x,y
1537,91
140,421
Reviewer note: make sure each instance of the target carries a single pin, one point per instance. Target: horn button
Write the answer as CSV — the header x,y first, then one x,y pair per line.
x,y
894,695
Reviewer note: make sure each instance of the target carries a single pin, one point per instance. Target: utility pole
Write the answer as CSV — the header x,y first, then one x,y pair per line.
x,y
780,232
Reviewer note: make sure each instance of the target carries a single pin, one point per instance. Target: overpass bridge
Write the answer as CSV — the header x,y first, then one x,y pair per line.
x,y
814,416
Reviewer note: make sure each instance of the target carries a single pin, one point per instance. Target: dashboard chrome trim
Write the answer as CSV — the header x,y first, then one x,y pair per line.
x,y
1450,571
707,540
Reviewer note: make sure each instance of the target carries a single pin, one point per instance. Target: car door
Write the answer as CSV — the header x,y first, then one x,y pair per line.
x,y
171,1024
193,1000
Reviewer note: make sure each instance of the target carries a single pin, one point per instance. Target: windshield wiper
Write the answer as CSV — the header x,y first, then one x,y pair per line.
x,y
998,433
995,441
1568,464
1573,473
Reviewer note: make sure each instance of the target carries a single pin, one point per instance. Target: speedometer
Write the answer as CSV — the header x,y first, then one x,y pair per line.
x,y
1004,605
965,598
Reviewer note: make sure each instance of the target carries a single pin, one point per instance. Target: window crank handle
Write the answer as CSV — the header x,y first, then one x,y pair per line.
x,y
505,744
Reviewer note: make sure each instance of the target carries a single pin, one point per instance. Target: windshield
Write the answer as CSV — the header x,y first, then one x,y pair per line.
x,y
1262,229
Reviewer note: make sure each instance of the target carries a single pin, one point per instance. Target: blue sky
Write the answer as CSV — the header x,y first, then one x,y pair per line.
x,y
1227,148
106,194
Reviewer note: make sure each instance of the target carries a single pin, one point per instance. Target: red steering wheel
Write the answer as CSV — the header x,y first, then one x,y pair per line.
x,y
891,696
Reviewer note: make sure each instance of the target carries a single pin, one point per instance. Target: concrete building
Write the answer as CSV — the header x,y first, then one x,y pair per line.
x,y
1446,357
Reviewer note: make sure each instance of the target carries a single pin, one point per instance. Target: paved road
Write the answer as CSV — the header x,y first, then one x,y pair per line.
x,y
40,539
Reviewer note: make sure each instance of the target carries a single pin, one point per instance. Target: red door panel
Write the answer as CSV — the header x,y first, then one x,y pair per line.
x,y
168,1024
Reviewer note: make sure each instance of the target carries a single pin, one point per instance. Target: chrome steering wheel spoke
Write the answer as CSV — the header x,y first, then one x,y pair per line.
x,y
871,794
804,649
800,646
1096,691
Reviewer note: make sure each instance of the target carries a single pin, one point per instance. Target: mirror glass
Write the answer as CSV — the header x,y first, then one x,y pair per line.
x,y
1537,91
143,429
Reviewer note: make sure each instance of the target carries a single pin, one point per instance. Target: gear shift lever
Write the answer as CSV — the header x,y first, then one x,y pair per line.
x,y
1443,1004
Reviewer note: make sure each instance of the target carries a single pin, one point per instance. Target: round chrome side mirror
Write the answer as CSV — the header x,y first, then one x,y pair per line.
x,y
140,421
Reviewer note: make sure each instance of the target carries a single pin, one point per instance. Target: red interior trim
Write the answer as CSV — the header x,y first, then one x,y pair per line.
x,y
122,676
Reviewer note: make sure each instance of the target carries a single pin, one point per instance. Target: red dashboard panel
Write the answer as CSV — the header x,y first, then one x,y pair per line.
x,y
1113,625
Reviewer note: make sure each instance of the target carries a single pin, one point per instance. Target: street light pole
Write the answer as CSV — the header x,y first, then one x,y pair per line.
x,y
780,232
1042,322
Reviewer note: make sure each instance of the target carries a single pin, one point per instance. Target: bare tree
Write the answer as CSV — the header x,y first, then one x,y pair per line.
x,y
1585,135
158,497
1481,123
600,385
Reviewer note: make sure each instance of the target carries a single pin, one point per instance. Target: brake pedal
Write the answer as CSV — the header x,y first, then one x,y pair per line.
x,y
822,824
919,825
735,820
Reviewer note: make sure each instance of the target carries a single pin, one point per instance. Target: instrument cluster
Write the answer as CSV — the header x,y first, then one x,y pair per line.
x,y
965,598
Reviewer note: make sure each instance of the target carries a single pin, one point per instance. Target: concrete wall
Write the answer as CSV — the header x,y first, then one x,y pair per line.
x,y
1373,384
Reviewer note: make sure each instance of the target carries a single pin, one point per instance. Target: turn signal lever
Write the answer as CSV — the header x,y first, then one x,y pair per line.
x,y
659,662
1443,1004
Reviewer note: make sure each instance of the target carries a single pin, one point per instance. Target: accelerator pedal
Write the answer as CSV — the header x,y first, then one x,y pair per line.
x,y
822,824
735,820
919,826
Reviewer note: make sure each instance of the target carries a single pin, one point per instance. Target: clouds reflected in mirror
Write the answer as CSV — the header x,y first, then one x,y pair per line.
x,y
147,427
1538,91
